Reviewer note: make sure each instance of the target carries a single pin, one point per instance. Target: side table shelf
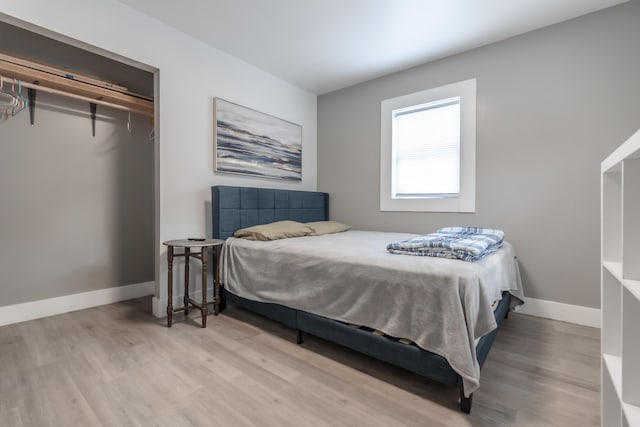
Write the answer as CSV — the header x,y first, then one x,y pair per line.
x,y
188,245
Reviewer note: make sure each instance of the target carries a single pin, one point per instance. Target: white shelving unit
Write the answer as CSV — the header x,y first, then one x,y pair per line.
x,y
620,285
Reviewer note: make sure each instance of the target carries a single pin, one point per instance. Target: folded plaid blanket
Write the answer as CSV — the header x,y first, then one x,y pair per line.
x,y
465,243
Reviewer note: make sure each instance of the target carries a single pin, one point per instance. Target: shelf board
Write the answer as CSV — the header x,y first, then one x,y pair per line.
x,y
613,364
628,149
633,286
613,168
76,87
632,414
615,268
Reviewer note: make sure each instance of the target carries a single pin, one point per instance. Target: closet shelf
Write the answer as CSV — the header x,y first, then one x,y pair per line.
x,y
633,286
632,414
615,268
613,365
48,81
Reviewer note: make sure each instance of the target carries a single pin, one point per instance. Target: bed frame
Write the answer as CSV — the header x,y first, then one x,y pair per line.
x,y
239,207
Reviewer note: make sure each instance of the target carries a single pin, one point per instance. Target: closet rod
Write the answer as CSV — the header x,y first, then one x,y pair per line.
x,y
71,95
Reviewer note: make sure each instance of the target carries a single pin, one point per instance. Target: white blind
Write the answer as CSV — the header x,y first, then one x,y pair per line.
x,y
426,150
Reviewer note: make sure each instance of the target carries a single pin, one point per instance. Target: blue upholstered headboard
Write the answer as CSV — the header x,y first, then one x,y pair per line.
x,y
239,207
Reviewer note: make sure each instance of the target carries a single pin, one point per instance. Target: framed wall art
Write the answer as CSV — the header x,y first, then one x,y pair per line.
x,y
252,143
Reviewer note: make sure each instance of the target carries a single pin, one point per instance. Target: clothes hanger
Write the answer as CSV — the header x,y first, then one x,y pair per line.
x,y
8,101
22,102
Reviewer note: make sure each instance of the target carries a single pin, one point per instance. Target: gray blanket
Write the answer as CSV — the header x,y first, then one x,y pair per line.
x,y
442,305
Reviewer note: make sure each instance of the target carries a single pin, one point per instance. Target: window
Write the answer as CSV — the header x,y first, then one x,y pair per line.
x,y
428,150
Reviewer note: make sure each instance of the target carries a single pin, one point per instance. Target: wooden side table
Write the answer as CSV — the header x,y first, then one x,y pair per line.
x,y
188,244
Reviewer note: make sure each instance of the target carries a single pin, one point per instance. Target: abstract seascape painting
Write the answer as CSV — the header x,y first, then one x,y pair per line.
x,y
253,143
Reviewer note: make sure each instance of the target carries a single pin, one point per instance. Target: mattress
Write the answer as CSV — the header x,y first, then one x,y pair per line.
x,y
442,305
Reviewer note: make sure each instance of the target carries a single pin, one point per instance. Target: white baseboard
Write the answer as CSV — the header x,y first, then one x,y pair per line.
x,y
51,306
156,307
577,314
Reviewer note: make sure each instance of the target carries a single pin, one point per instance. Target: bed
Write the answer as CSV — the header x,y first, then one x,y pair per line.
x,y
362,298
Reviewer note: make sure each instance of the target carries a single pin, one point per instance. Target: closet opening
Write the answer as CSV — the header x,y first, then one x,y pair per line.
x,y
78,179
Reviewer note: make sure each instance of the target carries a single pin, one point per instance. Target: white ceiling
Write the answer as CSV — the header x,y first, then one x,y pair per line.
x,y
325,45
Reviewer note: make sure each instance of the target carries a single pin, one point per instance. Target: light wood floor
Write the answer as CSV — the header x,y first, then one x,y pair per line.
x,y
117,365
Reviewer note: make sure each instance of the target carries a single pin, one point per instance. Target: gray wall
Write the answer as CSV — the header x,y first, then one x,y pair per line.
x,y
551,105
76,212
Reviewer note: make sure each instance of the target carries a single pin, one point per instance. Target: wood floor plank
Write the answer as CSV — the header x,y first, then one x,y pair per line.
x,y
118,365
10,416
47,396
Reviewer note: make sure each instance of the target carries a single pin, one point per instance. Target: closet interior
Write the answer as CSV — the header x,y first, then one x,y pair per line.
x,y
77,160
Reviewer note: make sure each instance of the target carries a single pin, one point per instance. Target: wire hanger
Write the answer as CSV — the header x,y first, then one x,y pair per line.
x,y
23,102
11,102
129,122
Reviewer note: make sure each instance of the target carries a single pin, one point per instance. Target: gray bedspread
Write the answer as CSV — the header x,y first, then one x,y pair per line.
x,y
442,305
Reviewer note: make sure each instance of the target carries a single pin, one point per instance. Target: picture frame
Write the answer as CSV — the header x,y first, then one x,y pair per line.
x,y
249,142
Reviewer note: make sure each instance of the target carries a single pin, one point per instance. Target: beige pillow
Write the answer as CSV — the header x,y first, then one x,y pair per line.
x,y
274,231
327,227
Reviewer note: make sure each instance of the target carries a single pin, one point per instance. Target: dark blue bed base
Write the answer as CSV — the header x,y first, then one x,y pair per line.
x,y
239,207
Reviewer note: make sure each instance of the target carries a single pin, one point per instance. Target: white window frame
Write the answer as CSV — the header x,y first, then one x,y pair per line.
x,y
466,200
